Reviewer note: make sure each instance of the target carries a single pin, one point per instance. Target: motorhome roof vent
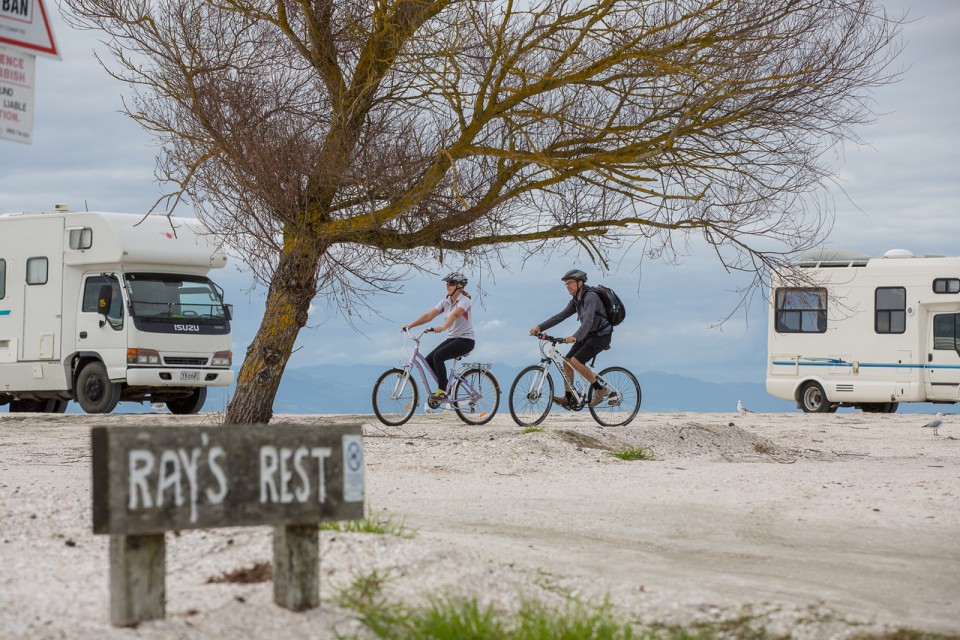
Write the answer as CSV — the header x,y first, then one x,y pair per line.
x,y
898,253
60,207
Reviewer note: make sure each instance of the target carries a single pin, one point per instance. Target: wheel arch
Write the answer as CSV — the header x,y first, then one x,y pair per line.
x,y
798,389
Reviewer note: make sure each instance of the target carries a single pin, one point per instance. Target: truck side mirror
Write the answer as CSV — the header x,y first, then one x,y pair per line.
x,y
228,312
104,299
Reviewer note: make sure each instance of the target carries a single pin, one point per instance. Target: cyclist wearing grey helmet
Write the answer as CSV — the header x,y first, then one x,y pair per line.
x,y
457,305
591,338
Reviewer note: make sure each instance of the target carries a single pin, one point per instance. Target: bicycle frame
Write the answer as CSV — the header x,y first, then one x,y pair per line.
x,y
423,368
551,355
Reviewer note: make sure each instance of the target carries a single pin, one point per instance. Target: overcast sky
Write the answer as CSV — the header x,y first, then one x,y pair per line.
x,y
900,191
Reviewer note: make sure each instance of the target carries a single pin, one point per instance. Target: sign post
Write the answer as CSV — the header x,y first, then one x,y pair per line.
x,y
148,480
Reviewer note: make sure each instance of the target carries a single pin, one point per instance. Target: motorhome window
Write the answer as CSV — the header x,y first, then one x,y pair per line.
x,y
946,331
36,271
91,293
946,285
174,297
81,239
3,279
891,310
801,310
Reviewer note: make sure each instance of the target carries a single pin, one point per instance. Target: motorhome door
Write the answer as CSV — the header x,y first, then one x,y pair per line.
x,y
42,293
942,370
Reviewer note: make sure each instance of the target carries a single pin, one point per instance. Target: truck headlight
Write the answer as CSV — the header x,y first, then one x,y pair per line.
x,y
222,359
143,357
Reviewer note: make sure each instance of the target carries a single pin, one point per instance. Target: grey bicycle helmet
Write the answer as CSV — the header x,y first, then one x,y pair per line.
x,y
456,278
574,274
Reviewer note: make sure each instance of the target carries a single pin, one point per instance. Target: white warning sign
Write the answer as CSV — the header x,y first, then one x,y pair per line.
x,y
17,73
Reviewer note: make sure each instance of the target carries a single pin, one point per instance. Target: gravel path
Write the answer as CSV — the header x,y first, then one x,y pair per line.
x,y
819,525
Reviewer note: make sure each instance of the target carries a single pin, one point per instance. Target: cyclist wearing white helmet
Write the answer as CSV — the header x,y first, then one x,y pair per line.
x,y
591,338
456,305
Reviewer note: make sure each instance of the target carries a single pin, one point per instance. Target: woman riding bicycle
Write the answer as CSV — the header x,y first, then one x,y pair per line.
x,y
456,305
592,337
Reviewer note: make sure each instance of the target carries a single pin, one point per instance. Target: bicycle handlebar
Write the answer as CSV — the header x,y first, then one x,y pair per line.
x,y
548,338
417,336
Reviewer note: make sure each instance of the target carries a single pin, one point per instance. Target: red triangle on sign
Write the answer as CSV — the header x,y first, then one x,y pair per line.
x,y
24,24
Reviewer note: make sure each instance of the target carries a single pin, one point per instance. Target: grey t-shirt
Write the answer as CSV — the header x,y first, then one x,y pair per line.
x,y
462,327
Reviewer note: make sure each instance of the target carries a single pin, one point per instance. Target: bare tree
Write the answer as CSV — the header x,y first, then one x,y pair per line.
x,y
330,142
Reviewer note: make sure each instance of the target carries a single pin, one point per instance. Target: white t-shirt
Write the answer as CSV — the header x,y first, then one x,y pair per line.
x,y
462,327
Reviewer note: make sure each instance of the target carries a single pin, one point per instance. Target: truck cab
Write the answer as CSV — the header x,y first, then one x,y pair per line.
x,y
102,308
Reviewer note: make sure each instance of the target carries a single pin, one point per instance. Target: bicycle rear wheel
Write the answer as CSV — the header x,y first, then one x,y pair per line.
x,y
622,402
484,396
395,397
531,395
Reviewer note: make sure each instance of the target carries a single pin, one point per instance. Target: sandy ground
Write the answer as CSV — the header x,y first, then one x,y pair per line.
x,y
819,525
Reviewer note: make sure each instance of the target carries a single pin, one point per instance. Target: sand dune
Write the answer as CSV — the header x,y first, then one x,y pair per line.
x,y
823,525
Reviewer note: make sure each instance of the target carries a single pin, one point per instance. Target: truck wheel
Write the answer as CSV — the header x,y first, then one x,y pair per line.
x,y
95,392
892,408
813,399
191,404
57,406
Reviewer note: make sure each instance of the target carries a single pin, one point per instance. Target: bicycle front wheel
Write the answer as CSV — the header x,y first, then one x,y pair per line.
x,y
482,393
531,395
622,402
395,397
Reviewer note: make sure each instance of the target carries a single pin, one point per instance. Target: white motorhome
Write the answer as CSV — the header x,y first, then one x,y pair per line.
x,y
108,307
866,332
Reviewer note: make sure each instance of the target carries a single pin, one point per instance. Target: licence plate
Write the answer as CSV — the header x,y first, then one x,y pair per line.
x,y
189,375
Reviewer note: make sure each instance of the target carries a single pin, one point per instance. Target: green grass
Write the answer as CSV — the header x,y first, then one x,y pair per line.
x,y
453,618
531,430
633,453
379,526
461,618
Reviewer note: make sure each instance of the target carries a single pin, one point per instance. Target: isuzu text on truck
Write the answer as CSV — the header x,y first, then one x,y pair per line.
x,y
108,307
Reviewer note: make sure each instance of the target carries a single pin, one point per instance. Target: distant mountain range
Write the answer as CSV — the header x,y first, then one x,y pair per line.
x,y
330,388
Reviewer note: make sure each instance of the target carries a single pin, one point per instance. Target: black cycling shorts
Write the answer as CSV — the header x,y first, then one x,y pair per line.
x,y
588,349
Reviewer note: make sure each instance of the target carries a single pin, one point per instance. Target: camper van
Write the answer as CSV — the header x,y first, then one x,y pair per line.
x,y
107,307
866,332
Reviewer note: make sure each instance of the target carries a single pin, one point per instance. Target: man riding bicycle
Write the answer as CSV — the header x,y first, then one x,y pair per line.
x,y
591,338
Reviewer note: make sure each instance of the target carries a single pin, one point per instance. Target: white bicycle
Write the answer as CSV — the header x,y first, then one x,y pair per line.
x,y
531,394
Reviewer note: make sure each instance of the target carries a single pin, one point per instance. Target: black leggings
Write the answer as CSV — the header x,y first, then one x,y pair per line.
x,y
449,348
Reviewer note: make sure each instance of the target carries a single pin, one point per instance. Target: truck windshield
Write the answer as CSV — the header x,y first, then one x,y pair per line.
x,y
174,297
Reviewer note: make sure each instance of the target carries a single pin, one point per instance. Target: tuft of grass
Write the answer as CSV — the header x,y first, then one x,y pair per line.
x,y
457,618
379,526
633,453
463,618
531,430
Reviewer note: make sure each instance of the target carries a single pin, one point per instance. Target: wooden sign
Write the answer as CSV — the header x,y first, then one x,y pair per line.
x,y
147,480
163,478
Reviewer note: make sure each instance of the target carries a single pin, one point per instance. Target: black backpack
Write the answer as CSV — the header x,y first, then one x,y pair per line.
x,y
612,304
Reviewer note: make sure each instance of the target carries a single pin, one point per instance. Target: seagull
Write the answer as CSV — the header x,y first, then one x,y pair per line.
x,y
934,424
742,410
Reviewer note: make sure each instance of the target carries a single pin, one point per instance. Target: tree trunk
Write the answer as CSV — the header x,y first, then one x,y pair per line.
x,y
292,288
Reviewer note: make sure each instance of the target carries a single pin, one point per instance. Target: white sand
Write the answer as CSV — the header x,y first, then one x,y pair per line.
x,y
820,525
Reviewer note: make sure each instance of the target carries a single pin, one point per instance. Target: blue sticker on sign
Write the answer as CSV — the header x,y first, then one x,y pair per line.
x,y
352,468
